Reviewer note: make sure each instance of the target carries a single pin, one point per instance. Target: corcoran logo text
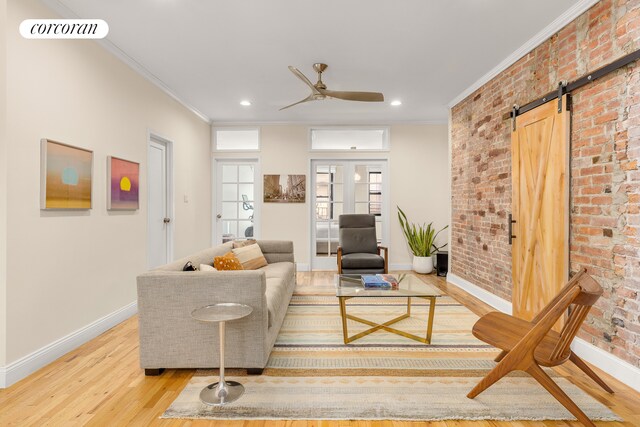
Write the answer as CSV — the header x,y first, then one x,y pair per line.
x,y
64,29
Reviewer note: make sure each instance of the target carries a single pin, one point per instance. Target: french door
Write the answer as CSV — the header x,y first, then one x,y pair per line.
x,y
237,214
341,187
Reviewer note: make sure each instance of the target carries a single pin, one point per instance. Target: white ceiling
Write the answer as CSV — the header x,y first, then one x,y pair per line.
x,y
213,54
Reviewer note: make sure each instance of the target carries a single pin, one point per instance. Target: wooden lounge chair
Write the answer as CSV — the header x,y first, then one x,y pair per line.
x,y
526,346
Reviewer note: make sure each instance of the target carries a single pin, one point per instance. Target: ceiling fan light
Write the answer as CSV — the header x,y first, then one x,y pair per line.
x,y
396,103
245,103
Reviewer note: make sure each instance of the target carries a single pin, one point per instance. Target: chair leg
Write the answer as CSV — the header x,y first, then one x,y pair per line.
x,y
587,370
541,376
492,377
501,356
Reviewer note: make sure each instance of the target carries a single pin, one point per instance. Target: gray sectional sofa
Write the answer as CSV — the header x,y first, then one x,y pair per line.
x,y
170,338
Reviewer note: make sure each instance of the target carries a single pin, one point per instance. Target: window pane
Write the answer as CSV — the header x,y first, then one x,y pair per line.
x,y
229,210
229,173
322,192
230,192
375,208
348,139
245,210
337,193
230,228
245,173
245,229
362,208
338,209
246,190
322,210
323,176
362,192
237,139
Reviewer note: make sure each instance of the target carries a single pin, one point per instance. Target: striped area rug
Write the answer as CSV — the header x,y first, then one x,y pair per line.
x,y
313,375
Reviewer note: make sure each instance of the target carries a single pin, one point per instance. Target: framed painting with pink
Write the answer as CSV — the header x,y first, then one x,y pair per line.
x,y
123,184
65,176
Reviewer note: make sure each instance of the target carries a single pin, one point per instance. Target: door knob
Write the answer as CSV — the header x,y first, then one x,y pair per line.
x,y
218,216
166,220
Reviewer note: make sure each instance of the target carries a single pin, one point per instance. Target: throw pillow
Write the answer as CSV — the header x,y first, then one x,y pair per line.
x,y
250,257
207,267
242,243
227,262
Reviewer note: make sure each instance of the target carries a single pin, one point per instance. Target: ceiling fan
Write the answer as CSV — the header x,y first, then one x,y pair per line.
x,y
319,90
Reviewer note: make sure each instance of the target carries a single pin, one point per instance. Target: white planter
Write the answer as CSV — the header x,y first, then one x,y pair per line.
x,y
423,264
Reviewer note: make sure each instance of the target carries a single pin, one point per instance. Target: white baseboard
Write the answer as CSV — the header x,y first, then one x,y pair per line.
x,y
619,369
21,368
300,266
483,295
612,365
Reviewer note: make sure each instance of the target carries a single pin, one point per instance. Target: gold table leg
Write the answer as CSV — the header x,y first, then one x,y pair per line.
x,y
386,325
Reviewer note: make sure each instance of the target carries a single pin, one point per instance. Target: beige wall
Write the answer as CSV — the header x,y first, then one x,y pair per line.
x,y
3,180
419,172
419,181
68,269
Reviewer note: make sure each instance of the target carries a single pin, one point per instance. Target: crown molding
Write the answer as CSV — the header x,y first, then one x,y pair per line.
x,y
559,23
328,123
67,13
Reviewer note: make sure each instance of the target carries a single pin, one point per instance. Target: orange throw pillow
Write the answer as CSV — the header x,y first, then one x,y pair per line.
x,y
227,262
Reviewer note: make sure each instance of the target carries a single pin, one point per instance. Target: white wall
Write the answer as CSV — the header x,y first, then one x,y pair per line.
x,y
418,169
419,172
3,180
68,269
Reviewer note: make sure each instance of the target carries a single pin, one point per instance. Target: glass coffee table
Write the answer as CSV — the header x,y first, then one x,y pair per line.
x,y
409,286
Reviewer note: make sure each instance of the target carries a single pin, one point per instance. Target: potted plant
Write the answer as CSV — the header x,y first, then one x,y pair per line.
x,y
421,240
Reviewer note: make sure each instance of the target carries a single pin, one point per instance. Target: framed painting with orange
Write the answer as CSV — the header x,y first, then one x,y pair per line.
x,y
123,184
65,176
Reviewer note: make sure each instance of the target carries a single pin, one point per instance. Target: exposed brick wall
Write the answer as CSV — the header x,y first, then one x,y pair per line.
x,y
605,182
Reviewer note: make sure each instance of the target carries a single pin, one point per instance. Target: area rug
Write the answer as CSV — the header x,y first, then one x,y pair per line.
x,y
312,374
385,398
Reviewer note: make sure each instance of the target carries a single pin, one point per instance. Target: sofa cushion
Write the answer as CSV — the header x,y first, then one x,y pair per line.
x,y
278,270
276,292
361,260
250,257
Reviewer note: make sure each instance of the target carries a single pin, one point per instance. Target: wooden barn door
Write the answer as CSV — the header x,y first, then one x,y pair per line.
x,y
540,171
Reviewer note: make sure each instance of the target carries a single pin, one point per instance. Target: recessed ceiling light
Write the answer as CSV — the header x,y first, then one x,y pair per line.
x,y
396,102
245,103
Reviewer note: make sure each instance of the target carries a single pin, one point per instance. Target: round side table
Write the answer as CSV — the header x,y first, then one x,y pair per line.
x,y
222,392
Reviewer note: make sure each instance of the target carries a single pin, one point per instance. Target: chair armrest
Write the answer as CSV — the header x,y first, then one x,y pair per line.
x,y
339,259
386,257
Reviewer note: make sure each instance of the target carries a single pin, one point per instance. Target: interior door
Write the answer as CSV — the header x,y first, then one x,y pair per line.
x,y
236,207
159,224
344,186
540,173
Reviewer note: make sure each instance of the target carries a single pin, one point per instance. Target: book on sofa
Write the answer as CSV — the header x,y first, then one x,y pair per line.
x,y
379,281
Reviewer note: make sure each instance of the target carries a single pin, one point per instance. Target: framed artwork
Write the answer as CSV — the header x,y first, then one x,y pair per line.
x,y
123,184
284,188
65,176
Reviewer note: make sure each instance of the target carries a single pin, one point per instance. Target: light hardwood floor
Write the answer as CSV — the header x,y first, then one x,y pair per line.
x,y
101,384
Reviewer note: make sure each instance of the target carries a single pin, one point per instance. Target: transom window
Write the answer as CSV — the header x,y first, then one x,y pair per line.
x,y
237,139
342,139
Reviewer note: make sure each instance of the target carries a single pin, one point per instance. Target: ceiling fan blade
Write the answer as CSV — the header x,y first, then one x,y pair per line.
x,y
354,96
307,99
302,77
